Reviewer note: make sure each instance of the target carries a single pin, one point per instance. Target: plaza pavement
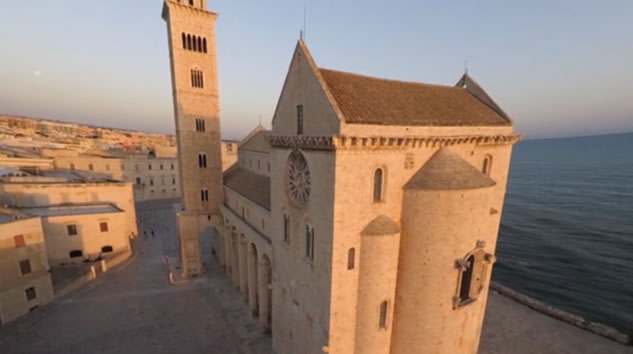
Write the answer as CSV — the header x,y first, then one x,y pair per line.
x,y
133,309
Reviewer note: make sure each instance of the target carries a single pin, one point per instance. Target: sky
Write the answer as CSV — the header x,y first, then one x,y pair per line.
x,y
558,68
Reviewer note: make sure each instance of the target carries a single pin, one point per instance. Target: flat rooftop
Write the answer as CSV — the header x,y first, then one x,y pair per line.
x,y
71,209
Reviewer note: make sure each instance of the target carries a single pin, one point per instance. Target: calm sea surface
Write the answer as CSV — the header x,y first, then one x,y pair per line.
x,y
567,227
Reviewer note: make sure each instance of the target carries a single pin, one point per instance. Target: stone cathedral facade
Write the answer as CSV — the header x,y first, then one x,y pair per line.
x,y
365,221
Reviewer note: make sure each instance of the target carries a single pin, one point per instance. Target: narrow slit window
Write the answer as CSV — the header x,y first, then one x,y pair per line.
x,y
378,181
351,255
382,321
286,228
300,119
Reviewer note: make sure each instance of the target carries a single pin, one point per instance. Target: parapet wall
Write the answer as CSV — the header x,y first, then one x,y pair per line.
x,y
575,320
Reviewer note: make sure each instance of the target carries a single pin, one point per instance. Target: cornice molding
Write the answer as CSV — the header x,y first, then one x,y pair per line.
x,y
331,143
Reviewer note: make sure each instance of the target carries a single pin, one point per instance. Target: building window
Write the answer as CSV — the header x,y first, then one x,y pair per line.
x,y
204,195
107,167
172,166
487,166
30,293
122,167
204,45
138,180
190,2
161,166
202,160
197,78
229,147
173,180
200,127
90,167
151,181
269,167
25,267
72,166
72,230
243,213
19,241
286,228
309,242
384,308
472,270
351,257
76,253
162,180
149,166
106,249
300,119
263,224
184,41
259,166
103,226
378,181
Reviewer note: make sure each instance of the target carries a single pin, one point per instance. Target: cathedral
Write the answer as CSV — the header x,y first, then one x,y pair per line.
x,y
364,221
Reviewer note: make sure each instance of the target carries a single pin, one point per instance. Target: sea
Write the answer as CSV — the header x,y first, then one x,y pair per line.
x,y
566,234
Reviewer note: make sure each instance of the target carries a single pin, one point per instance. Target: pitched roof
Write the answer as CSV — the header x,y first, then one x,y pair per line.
x,y
256,141
250,185
445,170
370,100
381,225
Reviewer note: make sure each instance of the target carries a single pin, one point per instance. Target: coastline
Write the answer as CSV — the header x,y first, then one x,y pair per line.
x,y
599,329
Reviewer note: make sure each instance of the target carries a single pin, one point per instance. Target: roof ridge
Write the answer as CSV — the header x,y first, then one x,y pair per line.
x,y
391,80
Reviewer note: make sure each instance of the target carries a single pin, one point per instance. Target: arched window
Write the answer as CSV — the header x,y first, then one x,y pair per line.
x,y
472,271
351,254
184,41
467,277
190,2
487,166
378,181
382,320
286,228
195,43
202,160
189,45
199,44
204,45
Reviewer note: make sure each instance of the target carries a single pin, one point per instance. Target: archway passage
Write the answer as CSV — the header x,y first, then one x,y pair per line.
x,y
265,294
235,272
253,289
243,271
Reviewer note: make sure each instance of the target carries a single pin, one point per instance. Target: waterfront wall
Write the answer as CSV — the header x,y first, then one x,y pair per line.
x,y
575,320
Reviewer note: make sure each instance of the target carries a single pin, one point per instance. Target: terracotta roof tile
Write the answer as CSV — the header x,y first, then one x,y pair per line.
x,y
250,185
369,100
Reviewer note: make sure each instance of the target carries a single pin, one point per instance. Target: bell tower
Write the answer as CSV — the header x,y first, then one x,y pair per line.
x,y
191,36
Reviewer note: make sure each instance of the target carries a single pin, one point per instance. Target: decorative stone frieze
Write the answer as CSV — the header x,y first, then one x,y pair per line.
x,y
329,143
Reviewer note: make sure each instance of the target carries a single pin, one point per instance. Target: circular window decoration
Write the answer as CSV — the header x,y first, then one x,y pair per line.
x,y
298,179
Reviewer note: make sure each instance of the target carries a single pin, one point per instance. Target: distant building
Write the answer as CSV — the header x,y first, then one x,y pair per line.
x,y
78,232
25,282
49,188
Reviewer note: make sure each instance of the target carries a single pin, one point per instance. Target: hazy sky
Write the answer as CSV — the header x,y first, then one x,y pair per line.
x,y
558,68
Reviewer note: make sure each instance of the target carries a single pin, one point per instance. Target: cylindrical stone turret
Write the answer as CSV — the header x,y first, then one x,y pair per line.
x,y
441,290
